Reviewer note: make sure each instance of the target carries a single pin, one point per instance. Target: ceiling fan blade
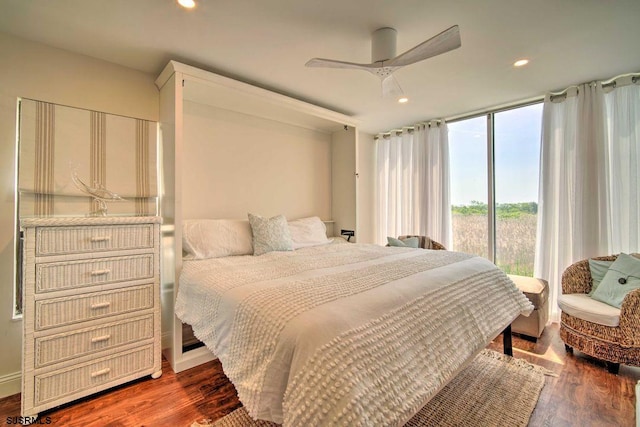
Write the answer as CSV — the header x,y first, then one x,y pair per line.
x,y
444,42
391,88
331,63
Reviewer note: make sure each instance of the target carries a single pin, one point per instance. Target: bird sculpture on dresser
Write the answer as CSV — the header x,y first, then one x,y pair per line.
x,y
100,194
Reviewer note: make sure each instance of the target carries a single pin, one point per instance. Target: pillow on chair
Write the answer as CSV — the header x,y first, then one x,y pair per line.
x,y
598,271
622,277
410,242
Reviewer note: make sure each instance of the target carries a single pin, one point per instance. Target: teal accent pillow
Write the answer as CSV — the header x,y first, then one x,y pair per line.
x,y
598,270
409,242
623,277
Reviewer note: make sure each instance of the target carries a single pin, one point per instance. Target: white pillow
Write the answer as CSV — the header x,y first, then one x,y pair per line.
x,y
270,234
307,232
215,238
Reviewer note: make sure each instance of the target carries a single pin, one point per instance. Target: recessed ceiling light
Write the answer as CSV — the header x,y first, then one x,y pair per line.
x,y
403,100
189,4
520,62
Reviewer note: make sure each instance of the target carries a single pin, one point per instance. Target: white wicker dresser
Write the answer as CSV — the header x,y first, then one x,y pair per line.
x,y
91,306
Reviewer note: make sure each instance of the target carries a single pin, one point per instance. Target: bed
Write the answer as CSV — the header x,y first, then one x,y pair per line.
x,y
339,333
323,333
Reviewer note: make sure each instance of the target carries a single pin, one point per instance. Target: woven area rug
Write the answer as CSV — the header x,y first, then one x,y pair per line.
x,y
494,390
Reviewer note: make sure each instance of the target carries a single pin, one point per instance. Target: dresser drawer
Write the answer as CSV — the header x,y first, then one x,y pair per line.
x,y
54,276
72,240
66,310
77,343
115,369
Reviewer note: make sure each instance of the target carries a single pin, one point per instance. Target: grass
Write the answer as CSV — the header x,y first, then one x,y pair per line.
x,y
515,235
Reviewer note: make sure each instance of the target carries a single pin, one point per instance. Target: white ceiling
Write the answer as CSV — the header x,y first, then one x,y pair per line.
x,y
267,42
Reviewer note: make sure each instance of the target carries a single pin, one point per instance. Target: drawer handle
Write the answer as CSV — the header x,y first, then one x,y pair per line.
x,y
100,305
100,339
101,372
100,272
97,239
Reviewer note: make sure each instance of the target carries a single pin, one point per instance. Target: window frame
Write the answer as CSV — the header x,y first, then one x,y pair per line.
x,y
491,173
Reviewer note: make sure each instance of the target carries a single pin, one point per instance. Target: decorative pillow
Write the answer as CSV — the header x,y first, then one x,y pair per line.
x,y
622,277
270,234
409,242
307,232
598,270
214,238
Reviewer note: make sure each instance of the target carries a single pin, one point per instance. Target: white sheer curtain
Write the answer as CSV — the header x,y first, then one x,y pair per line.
x,y
588,197
413,183
623,143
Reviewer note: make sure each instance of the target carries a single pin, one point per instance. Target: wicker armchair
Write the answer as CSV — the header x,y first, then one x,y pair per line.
x,y
614,345
425,242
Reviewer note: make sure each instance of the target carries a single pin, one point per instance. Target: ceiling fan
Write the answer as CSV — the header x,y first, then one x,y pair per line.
x,y
384,59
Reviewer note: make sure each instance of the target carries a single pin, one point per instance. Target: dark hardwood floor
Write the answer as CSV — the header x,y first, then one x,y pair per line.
x,y
583,394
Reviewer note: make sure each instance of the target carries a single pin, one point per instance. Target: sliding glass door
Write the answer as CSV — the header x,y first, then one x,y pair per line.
x,y
494,186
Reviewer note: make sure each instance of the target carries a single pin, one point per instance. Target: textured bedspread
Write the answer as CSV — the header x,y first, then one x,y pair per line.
x,y
345,334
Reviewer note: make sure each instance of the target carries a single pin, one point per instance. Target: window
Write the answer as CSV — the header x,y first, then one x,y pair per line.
x,y
468,172
494,186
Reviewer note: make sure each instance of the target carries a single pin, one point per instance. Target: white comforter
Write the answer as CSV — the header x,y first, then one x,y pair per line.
x,y
345,334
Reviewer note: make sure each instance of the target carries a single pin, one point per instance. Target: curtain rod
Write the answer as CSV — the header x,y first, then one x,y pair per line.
x,y
635,78
611,83
496,109
476,113
408,129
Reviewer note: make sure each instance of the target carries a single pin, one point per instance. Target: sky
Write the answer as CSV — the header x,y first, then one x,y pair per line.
x,y
517,156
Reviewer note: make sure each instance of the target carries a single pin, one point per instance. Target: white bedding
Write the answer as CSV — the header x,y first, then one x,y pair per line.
x,y
345,334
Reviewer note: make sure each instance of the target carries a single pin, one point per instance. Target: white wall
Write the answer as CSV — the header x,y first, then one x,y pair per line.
x,y
36,71
344,182
235,163
365,205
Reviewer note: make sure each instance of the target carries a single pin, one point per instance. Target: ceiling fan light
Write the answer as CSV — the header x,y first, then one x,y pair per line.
x,y
187,4
521,62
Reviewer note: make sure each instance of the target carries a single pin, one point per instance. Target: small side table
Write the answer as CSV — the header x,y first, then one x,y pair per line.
x,y
537,290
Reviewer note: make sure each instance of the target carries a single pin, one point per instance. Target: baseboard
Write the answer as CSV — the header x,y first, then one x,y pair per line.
x,y
10,384
193,358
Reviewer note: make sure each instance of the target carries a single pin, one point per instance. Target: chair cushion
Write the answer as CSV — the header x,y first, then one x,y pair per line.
x,y
586,308
537,290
